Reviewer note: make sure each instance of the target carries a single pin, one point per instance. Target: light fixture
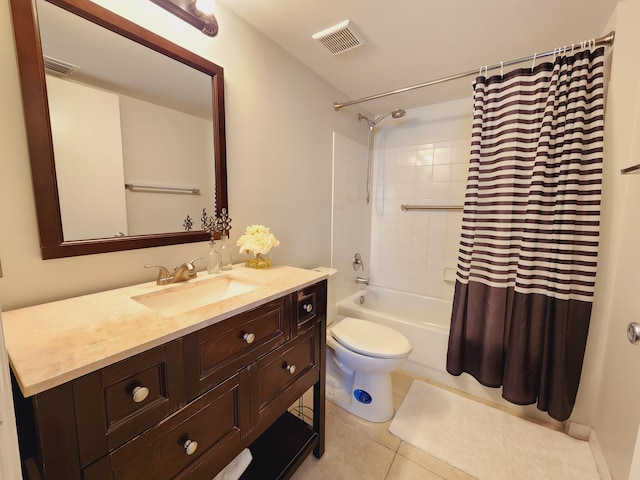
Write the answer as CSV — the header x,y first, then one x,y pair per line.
x,y
205,7
198,13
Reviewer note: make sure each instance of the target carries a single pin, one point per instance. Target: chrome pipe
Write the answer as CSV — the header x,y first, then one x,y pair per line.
x,y
605,40
405,208
161,189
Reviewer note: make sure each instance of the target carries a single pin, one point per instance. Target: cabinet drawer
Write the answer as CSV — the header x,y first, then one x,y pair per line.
x,y
121,401
214,422
218,351
310,306
284,375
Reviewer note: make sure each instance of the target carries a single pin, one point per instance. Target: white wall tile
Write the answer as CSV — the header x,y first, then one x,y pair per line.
x,y
409,250
351,226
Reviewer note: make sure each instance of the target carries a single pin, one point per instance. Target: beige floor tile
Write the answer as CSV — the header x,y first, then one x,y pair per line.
x,y
401,382
397,401
404,469
432,463
375,431
348,455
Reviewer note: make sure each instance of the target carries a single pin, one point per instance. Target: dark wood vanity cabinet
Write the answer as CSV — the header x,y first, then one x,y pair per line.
x,y
185,409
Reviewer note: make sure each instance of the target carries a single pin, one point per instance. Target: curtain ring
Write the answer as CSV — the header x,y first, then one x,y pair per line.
x,y
485,70
533,64
501,69
555,53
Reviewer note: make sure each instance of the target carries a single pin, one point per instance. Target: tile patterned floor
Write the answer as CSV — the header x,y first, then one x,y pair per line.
x,y
356,449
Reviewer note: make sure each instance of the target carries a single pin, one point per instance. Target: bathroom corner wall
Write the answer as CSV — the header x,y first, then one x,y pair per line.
x,y
351,225
421,159
609,394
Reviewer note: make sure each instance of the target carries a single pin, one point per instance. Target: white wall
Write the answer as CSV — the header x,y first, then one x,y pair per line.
x,y
609,392
279,119
421,159
9,456
177,158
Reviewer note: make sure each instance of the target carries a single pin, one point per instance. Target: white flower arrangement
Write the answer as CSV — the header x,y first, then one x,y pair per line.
x,y
257,239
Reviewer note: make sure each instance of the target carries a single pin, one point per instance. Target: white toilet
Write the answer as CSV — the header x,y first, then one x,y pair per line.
x,y
360,358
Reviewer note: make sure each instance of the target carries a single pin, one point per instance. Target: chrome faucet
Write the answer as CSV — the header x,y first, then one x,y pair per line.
x,y
181,273
362,281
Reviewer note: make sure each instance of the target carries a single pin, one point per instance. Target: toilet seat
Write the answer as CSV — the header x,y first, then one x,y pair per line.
x,y
371,339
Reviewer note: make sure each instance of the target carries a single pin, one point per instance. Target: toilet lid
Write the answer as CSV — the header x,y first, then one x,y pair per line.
x,y
370,338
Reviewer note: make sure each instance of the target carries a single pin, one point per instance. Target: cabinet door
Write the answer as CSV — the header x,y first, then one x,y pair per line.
x,y
195,442
89,159
216,352
283,375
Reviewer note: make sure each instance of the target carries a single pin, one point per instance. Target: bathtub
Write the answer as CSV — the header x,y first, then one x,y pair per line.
x,y
423,320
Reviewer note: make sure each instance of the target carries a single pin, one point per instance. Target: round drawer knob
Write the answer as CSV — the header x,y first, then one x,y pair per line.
x,y
308,307
291,369
249,337
190,447
140,394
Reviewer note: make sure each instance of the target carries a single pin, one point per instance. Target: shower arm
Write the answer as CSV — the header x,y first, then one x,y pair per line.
x,y
398,113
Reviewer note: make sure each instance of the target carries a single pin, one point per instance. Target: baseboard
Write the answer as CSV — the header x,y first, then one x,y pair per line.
x,y
598,456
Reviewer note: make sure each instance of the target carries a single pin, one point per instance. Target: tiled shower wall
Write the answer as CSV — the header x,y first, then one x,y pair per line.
x,y
422,159
351,214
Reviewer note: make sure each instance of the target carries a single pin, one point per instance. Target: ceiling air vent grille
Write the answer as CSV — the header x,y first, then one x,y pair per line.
x,y
340,38
59,67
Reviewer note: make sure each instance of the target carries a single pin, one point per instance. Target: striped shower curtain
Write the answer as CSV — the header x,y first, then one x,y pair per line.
x,y
527,259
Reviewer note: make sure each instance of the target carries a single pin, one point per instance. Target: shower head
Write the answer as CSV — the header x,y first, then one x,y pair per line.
x,y
399,113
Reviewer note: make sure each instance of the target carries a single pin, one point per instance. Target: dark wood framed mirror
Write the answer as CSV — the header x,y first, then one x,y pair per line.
x,y
41,143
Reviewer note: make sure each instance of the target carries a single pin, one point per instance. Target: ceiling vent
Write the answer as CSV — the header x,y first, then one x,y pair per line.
x,y
58,66
340,38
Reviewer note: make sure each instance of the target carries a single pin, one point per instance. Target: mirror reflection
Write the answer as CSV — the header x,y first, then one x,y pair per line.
x,y
123,114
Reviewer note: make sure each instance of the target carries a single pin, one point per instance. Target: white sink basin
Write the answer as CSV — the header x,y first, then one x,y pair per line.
x,y
191,296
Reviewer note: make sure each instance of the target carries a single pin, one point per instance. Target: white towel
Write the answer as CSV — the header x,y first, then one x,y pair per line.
x,y
236,467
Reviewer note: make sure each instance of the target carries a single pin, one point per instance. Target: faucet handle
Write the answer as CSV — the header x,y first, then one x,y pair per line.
x,y
191,267
164,277
191,262
357,262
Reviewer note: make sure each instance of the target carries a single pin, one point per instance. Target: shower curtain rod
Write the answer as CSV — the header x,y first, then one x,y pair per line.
x,y
606,40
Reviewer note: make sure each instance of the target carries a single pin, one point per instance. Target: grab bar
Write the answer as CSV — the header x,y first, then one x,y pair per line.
x,y
630,169
404,207
162,189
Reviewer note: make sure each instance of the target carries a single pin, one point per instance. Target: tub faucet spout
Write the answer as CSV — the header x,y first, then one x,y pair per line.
x,y
362,281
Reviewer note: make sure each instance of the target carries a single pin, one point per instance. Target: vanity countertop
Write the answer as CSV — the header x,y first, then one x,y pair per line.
x,y
53,343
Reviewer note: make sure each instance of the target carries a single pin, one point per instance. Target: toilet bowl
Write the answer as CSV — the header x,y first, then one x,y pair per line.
x,y
360,358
